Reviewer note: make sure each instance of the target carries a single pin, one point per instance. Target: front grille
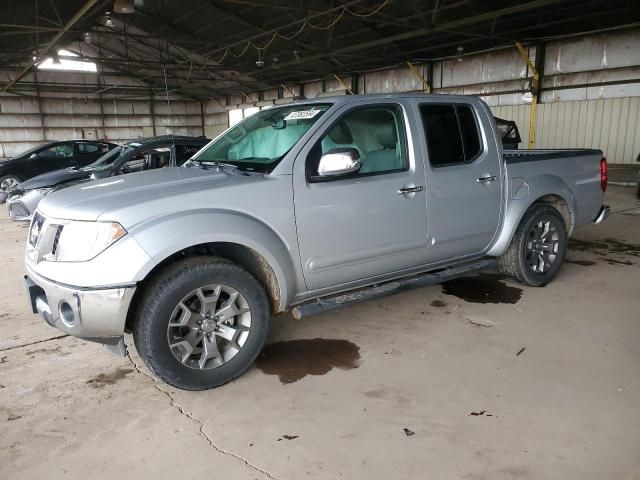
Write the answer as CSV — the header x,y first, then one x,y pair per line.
x,y
56,239
44,236
35,230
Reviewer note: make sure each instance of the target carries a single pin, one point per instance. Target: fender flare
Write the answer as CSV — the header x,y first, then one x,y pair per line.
x,y
162,237
535,187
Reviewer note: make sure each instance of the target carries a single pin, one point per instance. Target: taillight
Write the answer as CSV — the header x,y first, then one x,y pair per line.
x,y
603,174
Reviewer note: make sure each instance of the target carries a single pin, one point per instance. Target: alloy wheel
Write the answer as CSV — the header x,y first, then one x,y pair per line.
x,y
542,246
8,184
209,326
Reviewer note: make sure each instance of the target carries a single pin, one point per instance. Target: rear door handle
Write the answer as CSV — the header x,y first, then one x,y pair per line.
x,y
405,190
486,179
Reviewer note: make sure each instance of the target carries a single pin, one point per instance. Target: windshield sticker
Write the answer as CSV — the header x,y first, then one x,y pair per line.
x,y
302,114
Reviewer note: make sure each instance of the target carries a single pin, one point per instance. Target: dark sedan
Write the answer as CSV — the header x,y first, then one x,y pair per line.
x,y
48,157
134,156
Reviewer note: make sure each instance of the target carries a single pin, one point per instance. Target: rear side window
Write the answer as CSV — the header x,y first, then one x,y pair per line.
x,y
452,134
87,148
469,130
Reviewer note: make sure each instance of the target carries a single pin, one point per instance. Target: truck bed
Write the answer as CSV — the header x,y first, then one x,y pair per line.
x,y
517,156
572,173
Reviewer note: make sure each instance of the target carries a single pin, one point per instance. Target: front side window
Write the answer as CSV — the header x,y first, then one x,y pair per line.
x,y
260,141
377,133
452,134
61,150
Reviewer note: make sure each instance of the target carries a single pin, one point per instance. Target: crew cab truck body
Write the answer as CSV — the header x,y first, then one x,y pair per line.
x,y
292,206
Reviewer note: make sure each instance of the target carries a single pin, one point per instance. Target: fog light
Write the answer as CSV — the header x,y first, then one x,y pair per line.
x,y
66,314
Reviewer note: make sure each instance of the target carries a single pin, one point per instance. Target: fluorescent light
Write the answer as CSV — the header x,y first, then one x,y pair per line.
x,y
67,64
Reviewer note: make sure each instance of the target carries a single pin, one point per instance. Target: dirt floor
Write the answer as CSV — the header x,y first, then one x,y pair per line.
x,y
476,379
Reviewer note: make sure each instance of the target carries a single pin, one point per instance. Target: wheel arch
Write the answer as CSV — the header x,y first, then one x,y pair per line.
x,y
555,193
243,240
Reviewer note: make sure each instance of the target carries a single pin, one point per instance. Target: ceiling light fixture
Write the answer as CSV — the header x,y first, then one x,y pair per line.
x,y
259,62
123,6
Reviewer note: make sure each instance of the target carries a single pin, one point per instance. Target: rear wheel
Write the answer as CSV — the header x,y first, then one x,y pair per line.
x,y
538,247
201,323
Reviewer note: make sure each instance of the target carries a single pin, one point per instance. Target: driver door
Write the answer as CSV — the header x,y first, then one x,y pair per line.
x,y
361,226
53,158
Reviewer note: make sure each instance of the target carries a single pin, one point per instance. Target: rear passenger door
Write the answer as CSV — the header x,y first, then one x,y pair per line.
x,y
361,226
464,184
87,153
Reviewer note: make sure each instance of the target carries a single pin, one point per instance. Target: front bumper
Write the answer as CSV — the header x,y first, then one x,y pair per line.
x,y
603,213
90,314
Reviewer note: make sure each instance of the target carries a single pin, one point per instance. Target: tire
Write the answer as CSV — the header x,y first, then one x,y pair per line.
x,y
166,304
517,261
8,182
638,187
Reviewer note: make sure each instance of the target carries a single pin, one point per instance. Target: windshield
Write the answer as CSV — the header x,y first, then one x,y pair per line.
x,y
34,150
110,158
259,142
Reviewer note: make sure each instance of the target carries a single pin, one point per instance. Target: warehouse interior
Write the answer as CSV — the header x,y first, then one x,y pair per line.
x,y
522,383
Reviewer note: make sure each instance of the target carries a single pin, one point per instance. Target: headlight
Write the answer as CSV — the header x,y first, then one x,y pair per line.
x,y
81,241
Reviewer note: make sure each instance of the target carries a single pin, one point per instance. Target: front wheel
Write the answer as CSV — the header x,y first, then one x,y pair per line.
x,y
8,183
201,323
538,247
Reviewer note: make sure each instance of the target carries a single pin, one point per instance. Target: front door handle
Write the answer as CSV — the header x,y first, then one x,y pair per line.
x,y
486,179
405,190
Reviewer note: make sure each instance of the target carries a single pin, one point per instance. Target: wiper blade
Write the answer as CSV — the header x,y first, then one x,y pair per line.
x,y
229,167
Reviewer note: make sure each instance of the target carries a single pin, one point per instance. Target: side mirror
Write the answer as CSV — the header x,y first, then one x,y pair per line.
x,y
339,162
278,124
33,156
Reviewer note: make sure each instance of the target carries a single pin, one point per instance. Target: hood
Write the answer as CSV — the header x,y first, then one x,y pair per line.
x,y
128,198
56,177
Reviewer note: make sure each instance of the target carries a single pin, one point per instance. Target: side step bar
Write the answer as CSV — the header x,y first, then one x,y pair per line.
x,y
336,302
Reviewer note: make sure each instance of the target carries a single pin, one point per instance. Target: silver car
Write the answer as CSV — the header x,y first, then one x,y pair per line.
x,y
137,155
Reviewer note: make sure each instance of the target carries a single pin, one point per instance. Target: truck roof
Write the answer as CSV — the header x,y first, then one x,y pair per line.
x,y
343,99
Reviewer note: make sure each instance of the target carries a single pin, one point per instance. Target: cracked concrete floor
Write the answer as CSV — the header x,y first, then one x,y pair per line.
x,y
543,388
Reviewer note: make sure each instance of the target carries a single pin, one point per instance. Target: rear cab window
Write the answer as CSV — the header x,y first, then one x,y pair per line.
x,y
452,134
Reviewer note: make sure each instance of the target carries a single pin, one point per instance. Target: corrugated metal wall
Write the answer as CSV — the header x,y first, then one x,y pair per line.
x,y
26,122
576,109
610,124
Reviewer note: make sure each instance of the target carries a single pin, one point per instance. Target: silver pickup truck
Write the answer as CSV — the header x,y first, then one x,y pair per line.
x,y
305,207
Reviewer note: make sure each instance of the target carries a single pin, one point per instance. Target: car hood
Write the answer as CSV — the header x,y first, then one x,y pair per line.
x,y
54,178
128,198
